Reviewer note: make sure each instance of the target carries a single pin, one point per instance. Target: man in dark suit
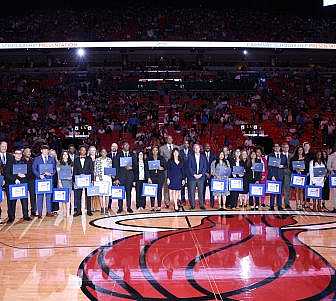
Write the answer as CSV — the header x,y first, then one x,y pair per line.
x,y
30,179
210,156
44,158
277,174
125,177
83,165
5,158
197,168
185,153
12,179
113,156
287,174
72,153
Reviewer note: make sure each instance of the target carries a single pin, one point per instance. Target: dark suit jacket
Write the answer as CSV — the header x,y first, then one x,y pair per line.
x,y
136,170
87,169
158,173
124,175
276,172
185,157
29,175
114,159
212,158
9,159
192,167
8,173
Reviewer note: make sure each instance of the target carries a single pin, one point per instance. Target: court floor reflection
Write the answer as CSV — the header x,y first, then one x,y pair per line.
x,y
225,257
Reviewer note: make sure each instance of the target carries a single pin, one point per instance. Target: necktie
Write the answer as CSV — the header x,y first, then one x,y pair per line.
x,y
3,159
44,160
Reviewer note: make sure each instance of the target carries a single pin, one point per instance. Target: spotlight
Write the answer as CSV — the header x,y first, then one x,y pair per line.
x,y
245,52
80,52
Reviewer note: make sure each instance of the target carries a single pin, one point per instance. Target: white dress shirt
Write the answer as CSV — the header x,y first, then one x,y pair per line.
x,y
197,158
82,161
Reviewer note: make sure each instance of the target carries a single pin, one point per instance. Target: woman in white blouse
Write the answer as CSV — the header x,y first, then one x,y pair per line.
x,y
102,180
319,180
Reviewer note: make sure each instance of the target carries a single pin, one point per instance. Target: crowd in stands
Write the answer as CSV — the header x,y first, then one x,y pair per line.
x,y
140,23
46,108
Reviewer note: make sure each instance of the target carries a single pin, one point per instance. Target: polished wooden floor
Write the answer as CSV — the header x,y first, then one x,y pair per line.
x,y
40,260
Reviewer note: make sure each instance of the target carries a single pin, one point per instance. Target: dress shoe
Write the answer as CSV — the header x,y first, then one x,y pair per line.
x,y
263,205
167,206
34,215
288,207
280,208
39,216
89,213
77,214
28,219
192,207
334,210
49,214
119,211
202,207
10,221
129,210
272,208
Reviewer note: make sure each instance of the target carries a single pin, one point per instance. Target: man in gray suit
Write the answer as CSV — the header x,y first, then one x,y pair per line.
x,y
165,152
287,174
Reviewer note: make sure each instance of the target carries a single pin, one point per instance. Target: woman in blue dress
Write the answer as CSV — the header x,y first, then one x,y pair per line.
x,y
175,177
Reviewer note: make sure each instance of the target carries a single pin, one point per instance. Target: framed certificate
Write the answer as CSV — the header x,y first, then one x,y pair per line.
x,y
224,171
258,167
83,181
332,181
61,195
46,168
125,161
273,187
18,191
298,165
273,161
154,164
65,173
1,180
219,185
236,184
104,187
257,190
110,171
118,192
313,192
298,181
43,186
319,171
149,190
238,170
92,191
19,168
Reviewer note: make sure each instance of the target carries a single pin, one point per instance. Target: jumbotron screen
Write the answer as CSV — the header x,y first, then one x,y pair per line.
x,y
329,2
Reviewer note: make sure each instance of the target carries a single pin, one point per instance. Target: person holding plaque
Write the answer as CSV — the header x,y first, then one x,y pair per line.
x,y
218,168
197,168
287,175
113,156
13,177
264,173
64,173
95,200
125,175
5,158
157,176
27,159
331,166
83,165
326,188
175,177
141,174
253,177
276,164
99,167
316,180
295,168
236,161
44,167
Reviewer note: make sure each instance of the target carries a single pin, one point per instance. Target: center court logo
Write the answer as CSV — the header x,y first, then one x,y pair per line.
x,y
226,257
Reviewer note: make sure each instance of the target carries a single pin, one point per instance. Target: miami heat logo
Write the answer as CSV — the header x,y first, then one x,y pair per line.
x,y
225,257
